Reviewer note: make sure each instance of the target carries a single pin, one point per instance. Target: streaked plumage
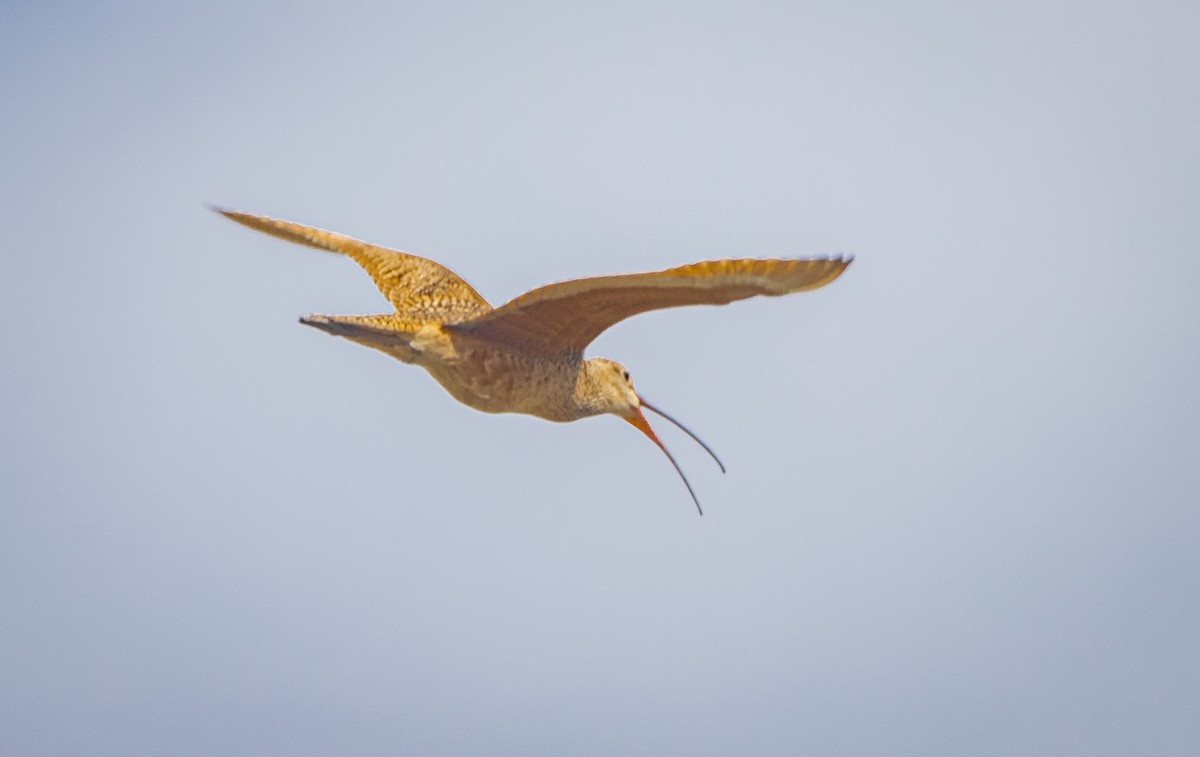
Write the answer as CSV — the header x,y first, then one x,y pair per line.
x,y
526,356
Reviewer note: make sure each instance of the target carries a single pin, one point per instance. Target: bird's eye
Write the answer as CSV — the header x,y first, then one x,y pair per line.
x,y
626,375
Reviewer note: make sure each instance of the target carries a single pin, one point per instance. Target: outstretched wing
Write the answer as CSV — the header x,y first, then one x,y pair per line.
x,y
567,316
420,290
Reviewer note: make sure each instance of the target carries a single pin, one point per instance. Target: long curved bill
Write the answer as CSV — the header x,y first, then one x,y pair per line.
x,y
638,421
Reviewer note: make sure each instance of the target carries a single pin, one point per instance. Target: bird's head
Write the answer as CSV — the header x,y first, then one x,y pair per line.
x,y
616,395
612,389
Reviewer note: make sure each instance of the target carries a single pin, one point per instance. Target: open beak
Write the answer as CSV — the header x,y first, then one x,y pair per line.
x,y
638,421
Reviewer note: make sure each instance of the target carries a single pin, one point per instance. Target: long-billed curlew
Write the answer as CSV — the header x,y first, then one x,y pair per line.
x,y
526,356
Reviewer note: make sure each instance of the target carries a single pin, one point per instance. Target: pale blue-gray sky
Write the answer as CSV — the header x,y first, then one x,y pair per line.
x,y
961,514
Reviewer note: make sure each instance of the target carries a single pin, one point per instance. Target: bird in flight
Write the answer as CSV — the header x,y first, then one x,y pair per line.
x,y
526,356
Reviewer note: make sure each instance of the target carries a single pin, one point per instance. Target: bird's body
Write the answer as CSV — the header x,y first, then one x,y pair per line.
x,y
527,355
494,379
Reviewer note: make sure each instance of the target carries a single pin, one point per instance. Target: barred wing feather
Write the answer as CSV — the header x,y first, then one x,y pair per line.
x,y
421,290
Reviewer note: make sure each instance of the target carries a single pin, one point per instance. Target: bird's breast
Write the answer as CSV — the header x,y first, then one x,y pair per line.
x,y
494,379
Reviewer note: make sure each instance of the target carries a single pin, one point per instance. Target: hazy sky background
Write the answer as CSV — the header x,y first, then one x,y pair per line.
x,y
962,513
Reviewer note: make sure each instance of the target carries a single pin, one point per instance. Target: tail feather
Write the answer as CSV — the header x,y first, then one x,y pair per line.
x,y
379,332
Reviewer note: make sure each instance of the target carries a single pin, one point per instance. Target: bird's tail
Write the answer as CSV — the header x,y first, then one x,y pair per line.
x,y
379,332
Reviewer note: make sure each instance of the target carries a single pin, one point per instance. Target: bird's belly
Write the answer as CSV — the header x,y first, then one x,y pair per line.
x,y
495,380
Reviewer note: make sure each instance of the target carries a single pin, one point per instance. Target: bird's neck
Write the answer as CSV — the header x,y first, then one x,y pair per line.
x,y
589,396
